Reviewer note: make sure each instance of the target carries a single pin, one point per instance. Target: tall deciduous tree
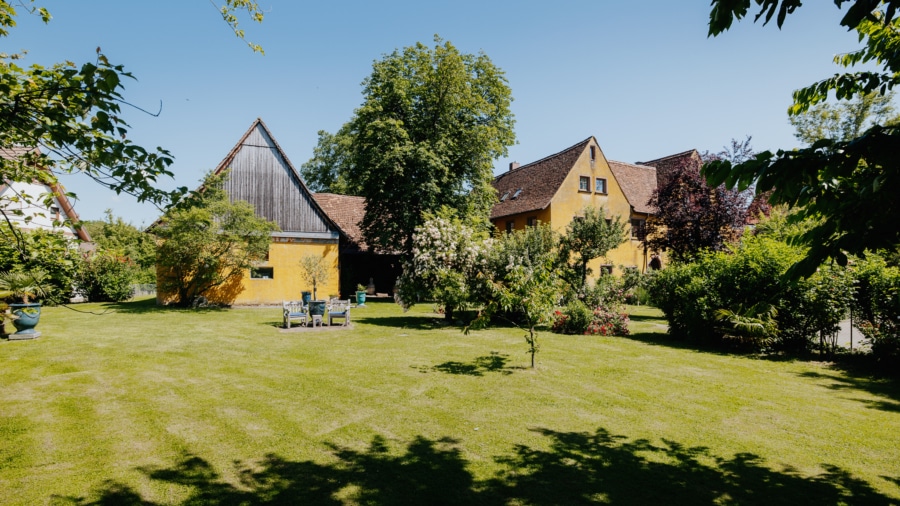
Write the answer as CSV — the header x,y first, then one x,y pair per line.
x,y
65,118
431,124
329,168
208,243
588,237
849,186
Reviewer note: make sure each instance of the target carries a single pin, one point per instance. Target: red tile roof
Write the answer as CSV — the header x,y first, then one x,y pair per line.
x,y
346,212
637,183
668,165
538,182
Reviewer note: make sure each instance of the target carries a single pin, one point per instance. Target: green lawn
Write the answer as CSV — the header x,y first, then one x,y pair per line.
x,y
143,405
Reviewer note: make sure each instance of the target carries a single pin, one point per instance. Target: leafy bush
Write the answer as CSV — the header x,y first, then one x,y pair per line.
x,y
877,307
104,277
747,287
577,318
573,319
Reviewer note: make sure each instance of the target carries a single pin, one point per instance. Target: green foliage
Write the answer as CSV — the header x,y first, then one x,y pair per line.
x,y
24,285
117,238
208,242
588,237
722,295
844,120
105,277
314,270
574,318
329,169
41,250
849,185
876,307
228,11
66,119
524,279
431,123
448,263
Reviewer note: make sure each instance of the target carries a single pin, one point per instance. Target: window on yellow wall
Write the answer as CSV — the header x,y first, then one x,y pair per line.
x,y
262,273
510,225
600,185
584,184
532,221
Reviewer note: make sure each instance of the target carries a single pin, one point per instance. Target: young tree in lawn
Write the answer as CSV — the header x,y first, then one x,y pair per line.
x,y
850,184
588,237
844,120
523,279
431,123
208,241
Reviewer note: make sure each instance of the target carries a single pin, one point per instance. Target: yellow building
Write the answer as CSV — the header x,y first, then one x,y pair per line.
x,y
558,188
261,174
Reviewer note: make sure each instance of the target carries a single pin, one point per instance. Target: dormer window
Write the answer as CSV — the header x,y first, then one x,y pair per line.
x,y
516,195
504,197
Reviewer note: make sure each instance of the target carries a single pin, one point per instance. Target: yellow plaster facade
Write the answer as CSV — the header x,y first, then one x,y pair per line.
x,y
287,281
571,198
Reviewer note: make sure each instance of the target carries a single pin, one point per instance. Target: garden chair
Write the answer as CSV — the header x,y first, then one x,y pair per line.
x,y
339,309
294,310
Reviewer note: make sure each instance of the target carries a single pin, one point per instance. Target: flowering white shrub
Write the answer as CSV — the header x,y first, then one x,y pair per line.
x,y
447,265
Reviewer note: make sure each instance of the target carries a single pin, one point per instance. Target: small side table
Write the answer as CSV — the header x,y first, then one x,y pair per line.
x,y
316,319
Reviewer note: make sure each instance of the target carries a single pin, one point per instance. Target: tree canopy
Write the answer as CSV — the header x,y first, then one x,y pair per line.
x,y
208,242
431,123
66,118
848,187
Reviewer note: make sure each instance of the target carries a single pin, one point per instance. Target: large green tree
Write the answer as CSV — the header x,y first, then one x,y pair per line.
x,y
847,187
208,242
66,118
430,126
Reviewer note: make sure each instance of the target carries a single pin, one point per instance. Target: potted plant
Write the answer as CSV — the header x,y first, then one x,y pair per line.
x,y
361,295
314,270
24,285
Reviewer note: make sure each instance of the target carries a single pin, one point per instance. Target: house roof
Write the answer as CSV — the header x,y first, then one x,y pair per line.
x,y
668,165
538,182
347,212
59,192
637,183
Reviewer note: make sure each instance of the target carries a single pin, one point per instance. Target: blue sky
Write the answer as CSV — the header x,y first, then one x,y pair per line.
x,y
640,76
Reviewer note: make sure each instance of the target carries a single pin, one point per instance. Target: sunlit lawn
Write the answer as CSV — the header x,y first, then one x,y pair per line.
x,y
143,405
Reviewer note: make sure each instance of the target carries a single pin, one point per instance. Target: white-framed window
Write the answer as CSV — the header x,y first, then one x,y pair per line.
x,y
637,229
600,185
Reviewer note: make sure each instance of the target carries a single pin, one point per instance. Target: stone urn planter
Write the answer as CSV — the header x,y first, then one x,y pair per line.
x,y
26,319
360,295
306,297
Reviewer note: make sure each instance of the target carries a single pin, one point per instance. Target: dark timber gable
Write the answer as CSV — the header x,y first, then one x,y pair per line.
x,y
262,175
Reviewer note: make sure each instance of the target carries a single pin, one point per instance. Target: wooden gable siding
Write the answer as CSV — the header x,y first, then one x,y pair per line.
x,y
262,176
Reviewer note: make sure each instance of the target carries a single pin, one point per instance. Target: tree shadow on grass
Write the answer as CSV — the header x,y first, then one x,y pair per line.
x,y
142,306
495,362
574,468
841,380
404,322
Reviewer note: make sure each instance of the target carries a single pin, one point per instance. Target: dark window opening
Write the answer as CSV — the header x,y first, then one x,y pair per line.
x,y
262,273
584,184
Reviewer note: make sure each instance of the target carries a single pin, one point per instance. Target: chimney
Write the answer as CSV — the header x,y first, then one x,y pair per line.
x,y
513,166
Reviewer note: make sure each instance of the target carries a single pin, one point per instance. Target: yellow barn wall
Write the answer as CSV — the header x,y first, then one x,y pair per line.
x,y
287,282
